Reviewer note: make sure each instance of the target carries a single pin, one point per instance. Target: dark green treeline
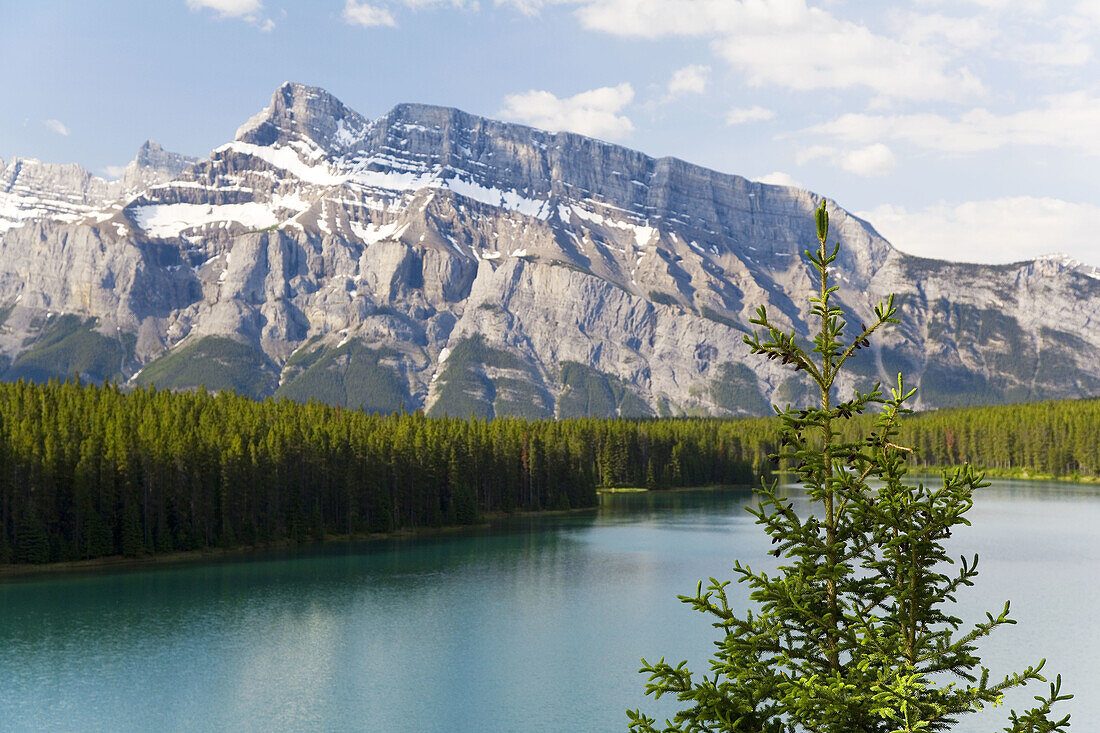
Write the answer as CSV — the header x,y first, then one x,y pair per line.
x,y
1056,438
89,471
1059,438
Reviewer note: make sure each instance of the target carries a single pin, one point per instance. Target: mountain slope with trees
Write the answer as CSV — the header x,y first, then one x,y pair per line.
x,y
466,266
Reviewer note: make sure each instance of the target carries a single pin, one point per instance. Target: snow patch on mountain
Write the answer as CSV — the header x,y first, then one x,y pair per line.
x,y
289,160
170,220
371,233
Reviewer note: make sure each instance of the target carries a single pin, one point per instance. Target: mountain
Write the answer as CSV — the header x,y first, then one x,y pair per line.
x,y
439,260
30,189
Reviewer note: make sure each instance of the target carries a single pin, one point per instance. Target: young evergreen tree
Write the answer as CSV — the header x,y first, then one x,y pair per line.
x,y
855,632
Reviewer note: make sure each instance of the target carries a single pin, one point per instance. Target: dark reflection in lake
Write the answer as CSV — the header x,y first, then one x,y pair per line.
x,y
535,624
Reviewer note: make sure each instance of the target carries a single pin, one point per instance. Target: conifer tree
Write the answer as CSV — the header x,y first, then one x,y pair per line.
x,y
855,632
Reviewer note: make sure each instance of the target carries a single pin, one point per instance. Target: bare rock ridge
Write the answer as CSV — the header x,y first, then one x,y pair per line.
x,y
152,165
440,260
30,189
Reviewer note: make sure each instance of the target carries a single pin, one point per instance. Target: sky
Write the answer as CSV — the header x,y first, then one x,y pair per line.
x,y
961,129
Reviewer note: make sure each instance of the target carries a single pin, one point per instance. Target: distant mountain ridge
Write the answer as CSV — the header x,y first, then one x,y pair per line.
x,y
30,189
435,259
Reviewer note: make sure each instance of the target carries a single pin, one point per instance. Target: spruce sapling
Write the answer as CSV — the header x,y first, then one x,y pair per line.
x,y
855,632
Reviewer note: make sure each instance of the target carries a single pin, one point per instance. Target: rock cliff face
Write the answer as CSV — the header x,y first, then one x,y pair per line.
x,y
434,259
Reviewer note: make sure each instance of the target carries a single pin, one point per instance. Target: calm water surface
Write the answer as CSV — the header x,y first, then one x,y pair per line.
x,y
535,625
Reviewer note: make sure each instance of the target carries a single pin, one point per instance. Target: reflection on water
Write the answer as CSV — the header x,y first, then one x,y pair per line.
x,y
535,624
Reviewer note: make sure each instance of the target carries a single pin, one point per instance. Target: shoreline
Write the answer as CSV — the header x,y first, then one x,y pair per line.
x,y
671,489
1015,474
14,572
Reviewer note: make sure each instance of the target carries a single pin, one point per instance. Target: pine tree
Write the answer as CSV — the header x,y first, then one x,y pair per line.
x,y
855,632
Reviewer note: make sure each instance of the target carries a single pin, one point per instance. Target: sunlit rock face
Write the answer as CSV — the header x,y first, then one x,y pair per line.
x,y
438,260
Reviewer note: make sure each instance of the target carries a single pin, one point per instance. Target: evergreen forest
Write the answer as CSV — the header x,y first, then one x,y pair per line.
x,y
89,471
1060,439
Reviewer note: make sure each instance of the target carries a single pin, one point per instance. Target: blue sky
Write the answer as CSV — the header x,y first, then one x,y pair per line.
x,y
967,129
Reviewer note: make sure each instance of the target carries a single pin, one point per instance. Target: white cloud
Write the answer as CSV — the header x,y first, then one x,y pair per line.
x,y
532,7
789,44
778,178
657,18
370,15
992,231
1066,52
813,152
873,160
366,15
249,10
688,80
1026,33
229,8
57,126
741,115
1087,10
595,112
1028,7
460,4
1068,121
114,171
950,34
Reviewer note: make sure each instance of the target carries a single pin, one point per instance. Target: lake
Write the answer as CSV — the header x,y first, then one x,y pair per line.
x,y
535,624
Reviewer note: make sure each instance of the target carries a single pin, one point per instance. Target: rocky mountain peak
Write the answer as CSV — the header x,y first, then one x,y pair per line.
x,y
153,155
300,113
1057,263
153,165
438,259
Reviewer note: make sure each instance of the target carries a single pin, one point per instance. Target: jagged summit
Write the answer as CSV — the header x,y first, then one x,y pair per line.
x,y
151,166
151,154
298,112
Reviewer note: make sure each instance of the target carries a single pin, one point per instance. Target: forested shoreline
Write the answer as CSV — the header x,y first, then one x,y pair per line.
x,y
89,471
1057,439
1054,438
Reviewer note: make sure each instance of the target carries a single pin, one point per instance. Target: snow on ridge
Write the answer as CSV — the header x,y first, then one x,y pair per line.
x,y
396,175
397,181
1070,262
15,211
413,179
169,220
642,233
511,200
287,159
372,233
1062,258
344,136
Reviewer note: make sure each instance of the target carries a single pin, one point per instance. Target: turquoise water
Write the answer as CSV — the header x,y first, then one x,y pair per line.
x,y
533,625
